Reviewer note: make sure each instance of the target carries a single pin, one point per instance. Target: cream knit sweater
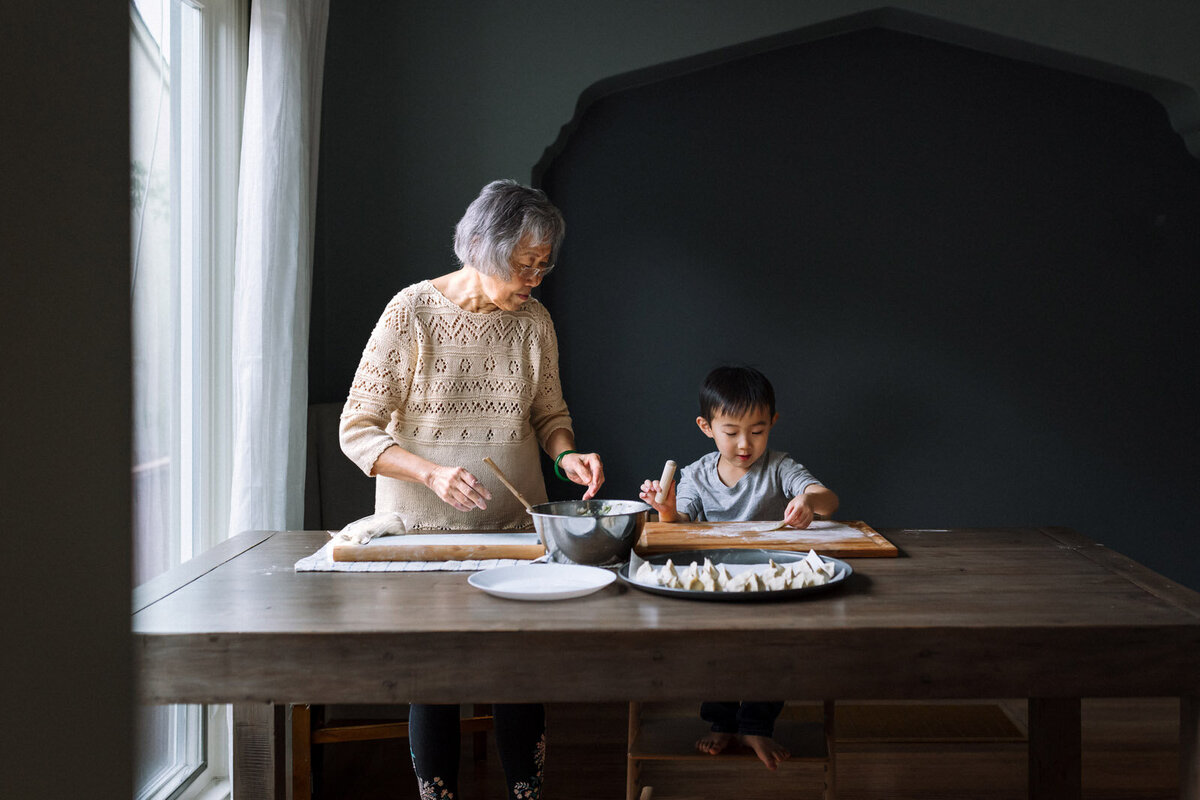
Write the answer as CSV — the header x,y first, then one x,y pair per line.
x,y
453,386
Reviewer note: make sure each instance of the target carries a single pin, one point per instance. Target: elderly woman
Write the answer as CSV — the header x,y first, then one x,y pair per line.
x,y
458,368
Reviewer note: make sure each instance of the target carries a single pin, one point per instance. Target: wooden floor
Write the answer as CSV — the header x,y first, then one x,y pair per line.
x,y
1130,753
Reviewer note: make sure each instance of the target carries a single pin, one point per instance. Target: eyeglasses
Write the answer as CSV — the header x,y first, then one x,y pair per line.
x,y
527,272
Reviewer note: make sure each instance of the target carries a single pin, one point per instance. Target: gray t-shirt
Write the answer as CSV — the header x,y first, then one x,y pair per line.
x,y
762,494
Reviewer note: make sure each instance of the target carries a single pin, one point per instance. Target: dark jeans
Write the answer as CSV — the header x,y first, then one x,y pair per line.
x,y
520,740
750,719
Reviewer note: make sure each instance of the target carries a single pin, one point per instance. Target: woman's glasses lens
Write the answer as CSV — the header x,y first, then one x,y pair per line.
x,y
532,272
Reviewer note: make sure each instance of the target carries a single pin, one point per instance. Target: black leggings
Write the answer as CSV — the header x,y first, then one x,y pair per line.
x,y
755,719
520,740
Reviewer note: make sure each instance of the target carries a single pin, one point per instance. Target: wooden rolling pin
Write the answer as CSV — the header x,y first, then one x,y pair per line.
x,y
664,483
442,547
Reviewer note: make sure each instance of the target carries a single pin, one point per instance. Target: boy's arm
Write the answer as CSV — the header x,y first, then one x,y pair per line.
x,y
821,500
815,500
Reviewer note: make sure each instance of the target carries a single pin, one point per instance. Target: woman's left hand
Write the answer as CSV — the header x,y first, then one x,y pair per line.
x,y
585,469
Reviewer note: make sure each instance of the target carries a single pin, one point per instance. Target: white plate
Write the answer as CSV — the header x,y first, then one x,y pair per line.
x,y
542,581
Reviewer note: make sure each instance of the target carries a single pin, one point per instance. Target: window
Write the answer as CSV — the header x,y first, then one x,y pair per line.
x,y
187,76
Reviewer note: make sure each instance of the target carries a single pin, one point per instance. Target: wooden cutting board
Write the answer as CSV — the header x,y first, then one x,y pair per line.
x,y
443,547
838,539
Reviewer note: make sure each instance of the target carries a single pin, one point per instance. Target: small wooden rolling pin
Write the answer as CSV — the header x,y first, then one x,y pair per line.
x,y
664,483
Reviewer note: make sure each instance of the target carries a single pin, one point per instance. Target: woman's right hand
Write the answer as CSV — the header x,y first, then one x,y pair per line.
x,y
458,488
666,509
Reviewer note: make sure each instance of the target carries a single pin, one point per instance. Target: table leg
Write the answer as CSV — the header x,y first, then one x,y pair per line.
x,y
259,751
302,771
1189,747
1055,764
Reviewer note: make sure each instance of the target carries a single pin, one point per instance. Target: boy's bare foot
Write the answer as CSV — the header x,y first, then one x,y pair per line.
x,y
769,751
713,742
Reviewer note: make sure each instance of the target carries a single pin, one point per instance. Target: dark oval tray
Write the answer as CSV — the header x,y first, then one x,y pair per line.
x,y
736,555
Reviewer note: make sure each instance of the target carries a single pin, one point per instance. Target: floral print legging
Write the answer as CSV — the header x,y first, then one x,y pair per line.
x,y
520,739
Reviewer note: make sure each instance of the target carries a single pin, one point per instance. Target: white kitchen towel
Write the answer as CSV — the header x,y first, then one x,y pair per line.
x,y
322,561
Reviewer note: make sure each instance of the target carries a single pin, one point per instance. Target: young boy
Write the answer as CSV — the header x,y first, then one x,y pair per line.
x,y
742,481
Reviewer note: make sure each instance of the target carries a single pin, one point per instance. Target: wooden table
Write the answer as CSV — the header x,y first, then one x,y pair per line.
x,y
1041,613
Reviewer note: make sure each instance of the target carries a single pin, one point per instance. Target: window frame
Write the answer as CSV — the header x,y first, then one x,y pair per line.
x,y
203,239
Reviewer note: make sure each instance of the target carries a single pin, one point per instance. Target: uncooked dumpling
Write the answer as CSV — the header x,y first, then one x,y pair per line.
x,y
723,578
690,578
668,577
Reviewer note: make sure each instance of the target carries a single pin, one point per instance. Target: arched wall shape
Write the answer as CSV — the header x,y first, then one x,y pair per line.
x,y
1181,102
972,280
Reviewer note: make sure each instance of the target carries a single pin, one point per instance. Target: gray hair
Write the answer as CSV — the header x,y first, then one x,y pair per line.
x,y
495,223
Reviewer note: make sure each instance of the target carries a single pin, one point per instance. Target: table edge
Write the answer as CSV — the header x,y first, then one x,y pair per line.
x,y
174,579
1162,587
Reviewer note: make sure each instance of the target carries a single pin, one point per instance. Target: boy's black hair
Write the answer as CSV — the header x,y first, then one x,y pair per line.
x,y
735,391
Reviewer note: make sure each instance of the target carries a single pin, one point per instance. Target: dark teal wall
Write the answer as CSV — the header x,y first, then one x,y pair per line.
x,y
970,279
424,103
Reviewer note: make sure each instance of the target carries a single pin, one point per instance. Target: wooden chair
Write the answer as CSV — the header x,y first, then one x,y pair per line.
x,y
311,728
672,737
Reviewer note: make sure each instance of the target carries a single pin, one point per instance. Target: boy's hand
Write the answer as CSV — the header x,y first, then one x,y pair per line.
x,y
798,514
666,509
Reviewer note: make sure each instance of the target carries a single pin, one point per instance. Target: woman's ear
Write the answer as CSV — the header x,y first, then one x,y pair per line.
x,y
704,426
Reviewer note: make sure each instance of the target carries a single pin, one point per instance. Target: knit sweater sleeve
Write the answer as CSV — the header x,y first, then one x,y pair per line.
x,y
381,385
548,412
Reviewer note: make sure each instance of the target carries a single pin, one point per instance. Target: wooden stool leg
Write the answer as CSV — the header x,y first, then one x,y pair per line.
x,y
1054,749
830,752
301,753
1189,747
632,766
479,738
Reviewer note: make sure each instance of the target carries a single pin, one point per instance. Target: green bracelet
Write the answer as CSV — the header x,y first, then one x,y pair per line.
x,y
558,471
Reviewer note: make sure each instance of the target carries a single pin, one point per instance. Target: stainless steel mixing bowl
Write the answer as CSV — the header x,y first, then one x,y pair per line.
x,y
595,532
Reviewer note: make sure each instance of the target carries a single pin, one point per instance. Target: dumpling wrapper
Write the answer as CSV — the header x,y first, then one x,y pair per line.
x,y
723,578
816,579
667,576
646,573
801,579
777,583
690,578
748,581
740,582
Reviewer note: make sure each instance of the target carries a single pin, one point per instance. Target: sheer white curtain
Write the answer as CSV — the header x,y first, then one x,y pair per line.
x,y
273,278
